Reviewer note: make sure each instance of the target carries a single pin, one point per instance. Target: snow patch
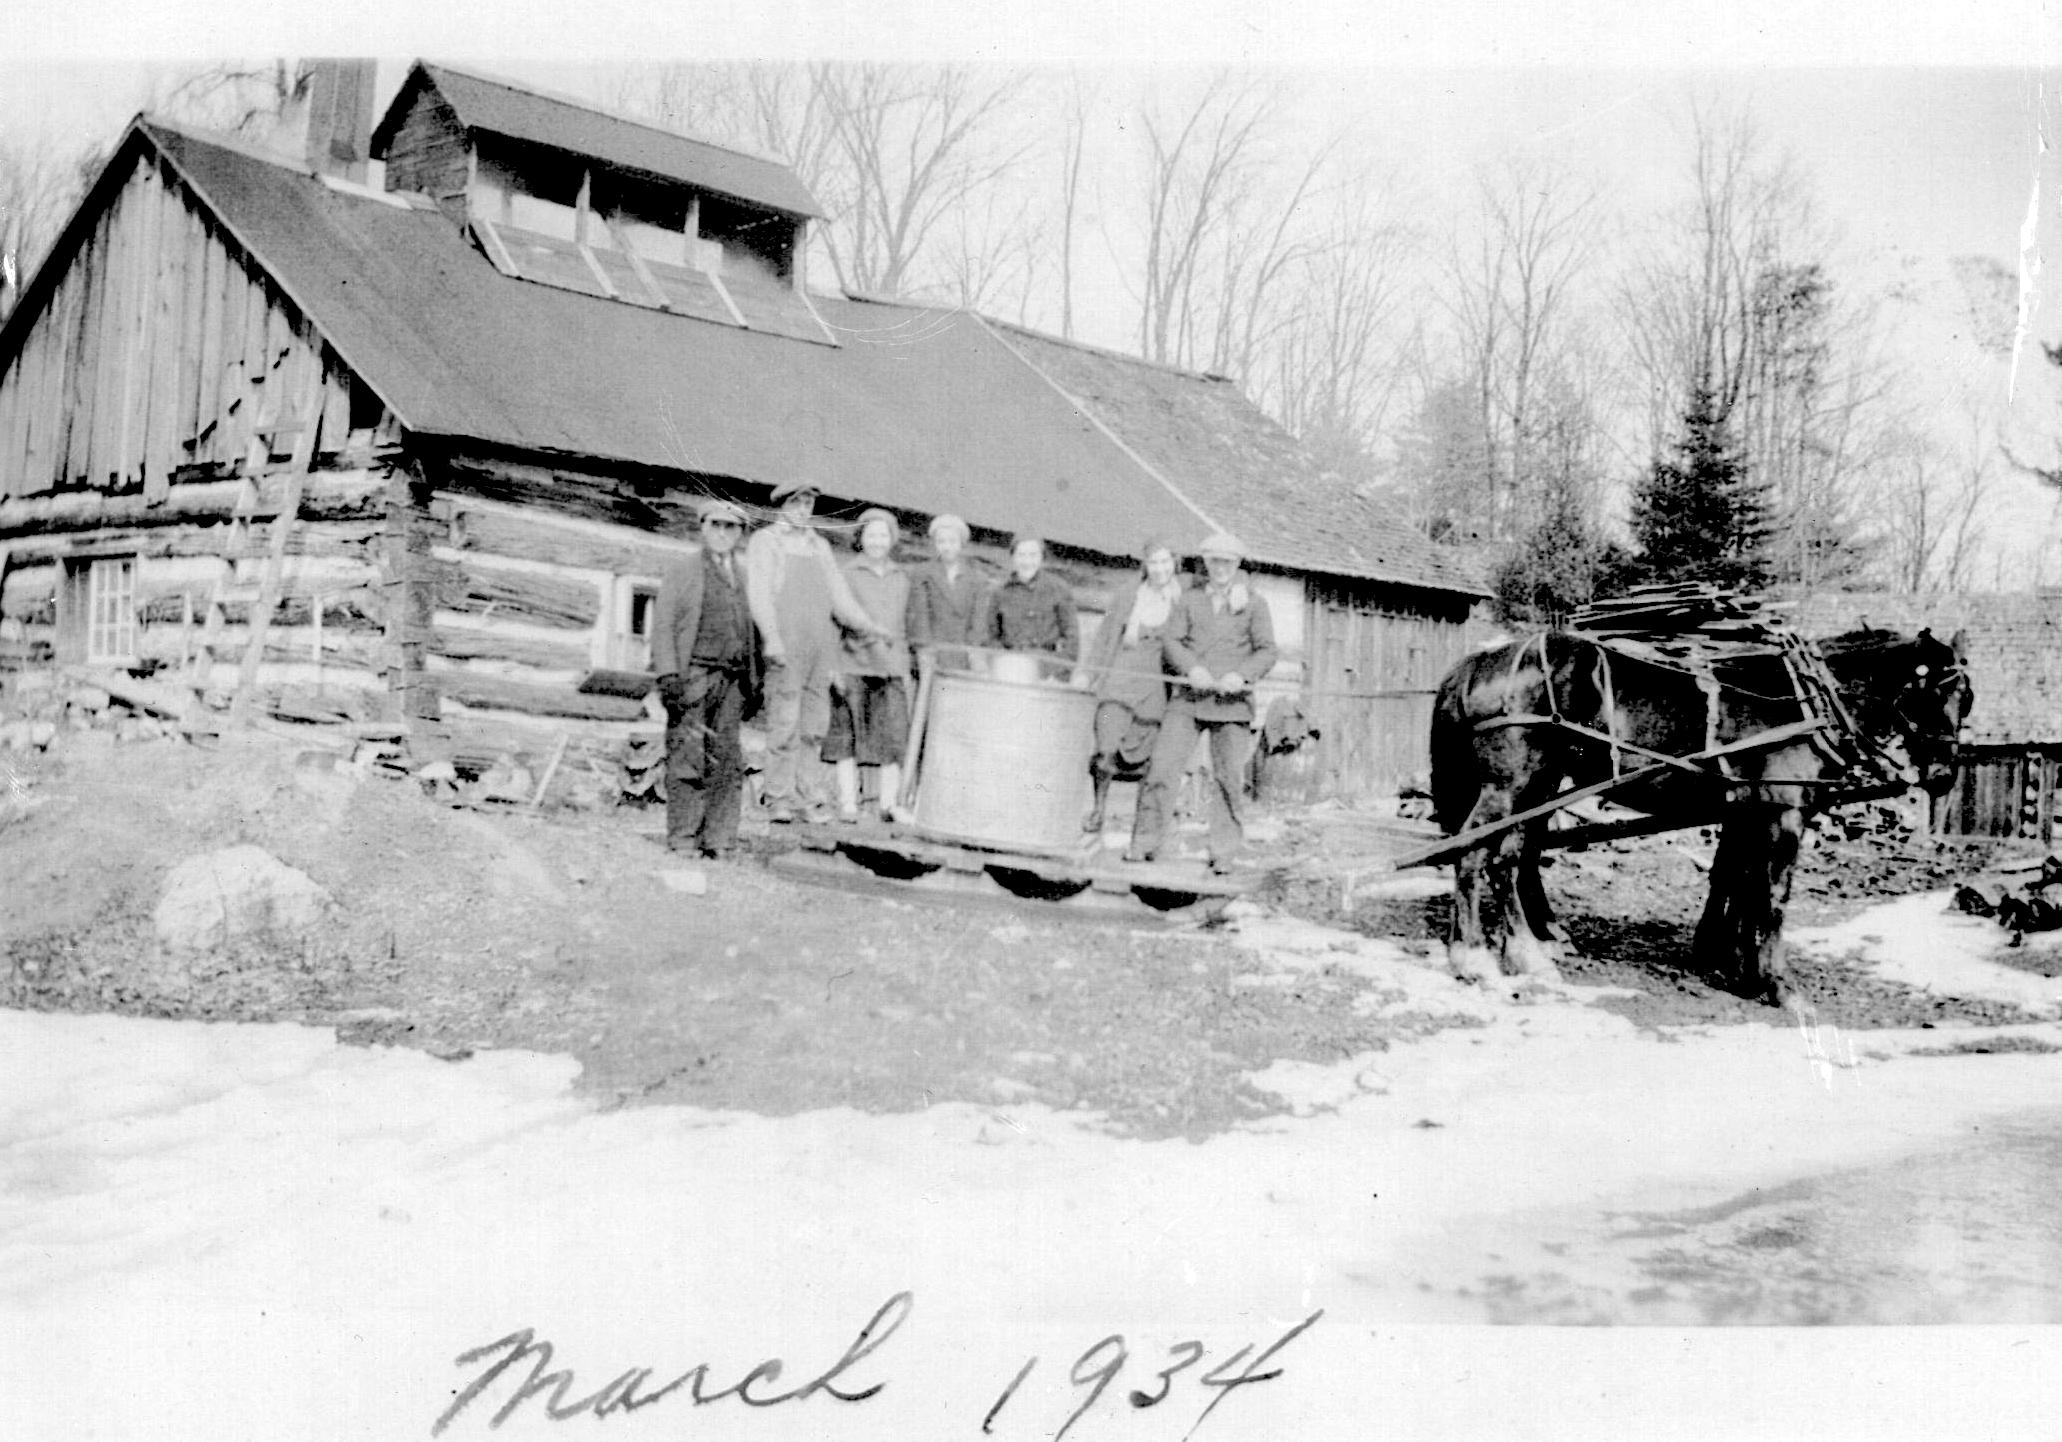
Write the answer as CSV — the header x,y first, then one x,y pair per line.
x,y
1922,942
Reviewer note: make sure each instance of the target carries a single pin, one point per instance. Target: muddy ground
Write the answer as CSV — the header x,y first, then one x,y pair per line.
x,y
455,930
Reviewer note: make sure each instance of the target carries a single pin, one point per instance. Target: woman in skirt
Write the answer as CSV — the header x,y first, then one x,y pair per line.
x,y
869,685
1125,671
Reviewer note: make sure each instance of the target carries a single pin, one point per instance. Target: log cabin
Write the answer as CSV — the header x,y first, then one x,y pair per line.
x,y
403,423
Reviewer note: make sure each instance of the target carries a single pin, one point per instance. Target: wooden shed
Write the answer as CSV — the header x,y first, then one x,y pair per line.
x,y
2010,779
421,451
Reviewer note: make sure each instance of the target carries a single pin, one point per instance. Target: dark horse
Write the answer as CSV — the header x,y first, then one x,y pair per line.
x,y
1513,727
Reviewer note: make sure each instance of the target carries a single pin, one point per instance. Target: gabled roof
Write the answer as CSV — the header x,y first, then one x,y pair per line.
x,y
1234,463
2013,643
502,107
921,410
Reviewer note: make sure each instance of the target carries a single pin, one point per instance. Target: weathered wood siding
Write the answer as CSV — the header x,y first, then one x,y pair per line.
x,y
1375,656
428,154
159,355
2004,791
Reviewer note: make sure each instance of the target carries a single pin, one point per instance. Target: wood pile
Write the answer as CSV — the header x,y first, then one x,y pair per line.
x,y
1694,619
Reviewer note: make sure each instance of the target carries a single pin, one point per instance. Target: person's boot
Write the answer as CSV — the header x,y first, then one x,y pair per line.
x,y
1099,771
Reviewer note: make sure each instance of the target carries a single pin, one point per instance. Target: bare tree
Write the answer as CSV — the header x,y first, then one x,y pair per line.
x,y
1734,299
1341,354
1933,495
1510,295
992,257
893,153
39,187
1203,164
241,97
1073,151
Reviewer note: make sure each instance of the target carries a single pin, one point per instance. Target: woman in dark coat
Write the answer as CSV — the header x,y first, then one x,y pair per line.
x,y
946,597
1125,672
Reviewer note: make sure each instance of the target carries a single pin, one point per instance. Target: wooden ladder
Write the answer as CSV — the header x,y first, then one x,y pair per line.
x,y
263,596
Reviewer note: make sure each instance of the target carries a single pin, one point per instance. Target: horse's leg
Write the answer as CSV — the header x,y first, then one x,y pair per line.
x,y
1762,948
1533,948
1474,943
1532,898
1739,938
1709,951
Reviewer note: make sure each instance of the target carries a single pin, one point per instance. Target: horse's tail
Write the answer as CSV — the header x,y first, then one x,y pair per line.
x,y
1456,780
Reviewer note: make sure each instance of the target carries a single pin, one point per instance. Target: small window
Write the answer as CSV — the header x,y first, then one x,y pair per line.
x,y
636,616
97,611
644,606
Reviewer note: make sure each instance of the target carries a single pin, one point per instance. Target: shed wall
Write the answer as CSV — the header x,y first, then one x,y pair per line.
x,y
161,355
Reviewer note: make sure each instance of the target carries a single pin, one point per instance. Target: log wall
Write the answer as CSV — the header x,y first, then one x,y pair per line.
x,y
326,631
520,580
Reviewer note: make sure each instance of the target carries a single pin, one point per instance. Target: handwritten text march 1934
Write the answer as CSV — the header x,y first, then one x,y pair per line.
x,y
633,1389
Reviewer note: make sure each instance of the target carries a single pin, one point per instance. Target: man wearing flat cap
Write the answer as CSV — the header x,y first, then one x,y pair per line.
x,y
798,597
706,652
1219,642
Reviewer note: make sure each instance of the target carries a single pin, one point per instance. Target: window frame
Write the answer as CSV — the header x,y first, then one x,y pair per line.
x,y
99,620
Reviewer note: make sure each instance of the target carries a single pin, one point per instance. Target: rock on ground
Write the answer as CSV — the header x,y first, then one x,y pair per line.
x,y
236,894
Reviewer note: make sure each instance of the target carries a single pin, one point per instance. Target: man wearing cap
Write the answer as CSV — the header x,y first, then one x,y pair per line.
x,y
946,595
798,597
1220,641
706,654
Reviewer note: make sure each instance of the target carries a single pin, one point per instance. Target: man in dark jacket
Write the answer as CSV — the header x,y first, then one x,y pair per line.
x,y
1220,642
705,651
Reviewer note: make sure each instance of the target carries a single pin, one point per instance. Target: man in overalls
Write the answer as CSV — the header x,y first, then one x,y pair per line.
x,y
798,597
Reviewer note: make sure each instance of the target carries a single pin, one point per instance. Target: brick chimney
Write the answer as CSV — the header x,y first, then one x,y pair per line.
x,y
329,119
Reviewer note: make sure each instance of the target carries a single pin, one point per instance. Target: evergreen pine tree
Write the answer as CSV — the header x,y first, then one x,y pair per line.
x,y
1553,569
1697,515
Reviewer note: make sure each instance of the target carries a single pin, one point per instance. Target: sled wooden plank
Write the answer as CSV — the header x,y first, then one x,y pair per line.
x,y
1464,841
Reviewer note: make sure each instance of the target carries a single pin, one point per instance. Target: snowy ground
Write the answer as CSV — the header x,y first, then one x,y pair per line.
x,y
249,1231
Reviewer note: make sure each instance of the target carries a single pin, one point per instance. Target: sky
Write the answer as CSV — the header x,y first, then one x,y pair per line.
x,y
212,1231
1926,131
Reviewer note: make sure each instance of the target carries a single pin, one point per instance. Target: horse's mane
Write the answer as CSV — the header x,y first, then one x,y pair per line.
x,y
1863,641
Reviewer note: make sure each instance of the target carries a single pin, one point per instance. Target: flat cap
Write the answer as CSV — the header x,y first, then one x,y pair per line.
x,y
1223,543
722,511
794,487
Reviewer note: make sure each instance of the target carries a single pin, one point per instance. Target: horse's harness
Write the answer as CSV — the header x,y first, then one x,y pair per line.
x,y
1833,733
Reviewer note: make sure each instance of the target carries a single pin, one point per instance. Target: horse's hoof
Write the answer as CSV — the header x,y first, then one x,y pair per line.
x,y
1474,963
1529,956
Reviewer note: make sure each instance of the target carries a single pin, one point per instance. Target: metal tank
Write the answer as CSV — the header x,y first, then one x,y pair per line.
x,y
1005,763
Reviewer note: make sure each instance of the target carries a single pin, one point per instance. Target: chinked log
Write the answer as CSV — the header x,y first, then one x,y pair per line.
x,y
346,495
491,644
530,596
352,611
589,745
521,538
499,693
